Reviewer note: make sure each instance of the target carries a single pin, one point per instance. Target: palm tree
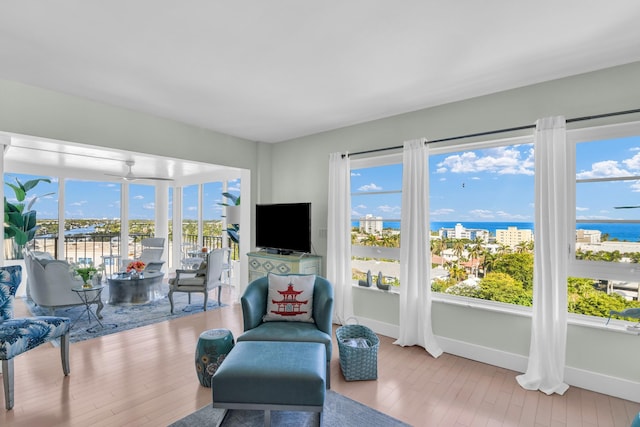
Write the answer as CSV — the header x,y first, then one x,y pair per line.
x,y
437,247
504,249
457,273
458,249
488,262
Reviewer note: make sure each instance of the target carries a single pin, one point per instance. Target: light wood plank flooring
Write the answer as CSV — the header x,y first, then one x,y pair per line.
x,y
146,377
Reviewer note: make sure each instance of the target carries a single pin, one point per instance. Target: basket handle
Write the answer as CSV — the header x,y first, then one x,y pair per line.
x,y
353,318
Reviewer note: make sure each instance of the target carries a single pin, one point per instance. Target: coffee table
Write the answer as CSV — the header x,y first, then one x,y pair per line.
x,y
123,289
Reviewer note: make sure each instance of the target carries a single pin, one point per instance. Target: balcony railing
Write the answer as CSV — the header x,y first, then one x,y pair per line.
x,y
99,249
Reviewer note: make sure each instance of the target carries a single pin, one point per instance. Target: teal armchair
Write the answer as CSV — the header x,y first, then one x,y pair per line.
x,y
254,307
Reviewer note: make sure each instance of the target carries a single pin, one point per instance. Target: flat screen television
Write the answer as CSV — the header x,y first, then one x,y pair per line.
x,y
284,227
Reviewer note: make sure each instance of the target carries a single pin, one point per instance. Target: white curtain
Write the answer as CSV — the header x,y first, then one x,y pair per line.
x,y
415,252
545,370
339,235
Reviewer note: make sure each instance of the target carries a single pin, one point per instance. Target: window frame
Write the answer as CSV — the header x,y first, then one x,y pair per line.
x,y
375,251
587,268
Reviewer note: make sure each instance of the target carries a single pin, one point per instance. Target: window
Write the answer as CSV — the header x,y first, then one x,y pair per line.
x,y
212,214
190,209
142,211
376,191
606,245
481,209
92,220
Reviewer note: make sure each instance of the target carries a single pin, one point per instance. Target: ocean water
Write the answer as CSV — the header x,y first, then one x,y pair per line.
x,y
622,232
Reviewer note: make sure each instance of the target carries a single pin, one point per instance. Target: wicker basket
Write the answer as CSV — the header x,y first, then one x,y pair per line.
x,y
358,363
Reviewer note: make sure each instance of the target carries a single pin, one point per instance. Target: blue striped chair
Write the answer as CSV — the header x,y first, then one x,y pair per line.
x,y
22,334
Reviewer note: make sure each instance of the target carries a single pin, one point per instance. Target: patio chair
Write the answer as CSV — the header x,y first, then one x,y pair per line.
x,y
202,280
192,256
151,255
23,334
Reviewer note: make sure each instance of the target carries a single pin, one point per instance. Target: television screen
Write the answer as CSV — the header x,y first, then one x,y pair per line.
x,y
284,227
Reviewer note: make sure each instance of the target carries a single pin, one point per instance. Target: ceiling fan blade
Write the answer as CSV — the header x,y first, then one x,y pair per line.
x,y
626,207
154,178
129,176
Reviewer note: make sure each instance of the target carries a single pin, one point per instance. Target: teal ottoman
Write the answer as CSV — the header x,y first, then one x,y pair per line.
x,y
272,376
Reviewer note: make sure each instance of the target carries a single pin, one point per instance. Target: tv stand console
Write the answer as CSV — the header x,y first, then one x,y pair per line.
x,y
263,263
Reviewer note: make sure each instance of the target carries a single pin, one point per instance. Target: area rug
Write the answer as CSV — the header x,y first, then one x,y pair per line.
x,y
339,411
117,318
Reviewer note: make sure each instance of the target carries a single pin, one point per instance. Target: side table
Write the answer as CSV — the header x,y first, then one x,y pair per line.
x,y
211,350
88,296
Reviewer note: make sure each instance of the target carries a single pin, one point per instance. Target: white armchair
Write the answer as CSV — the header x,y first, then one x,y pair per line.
x,y
50,282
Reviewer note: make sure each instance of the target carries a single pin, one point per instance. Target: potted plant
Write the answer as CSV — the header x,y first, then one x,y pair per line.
x,y
19,218
233,227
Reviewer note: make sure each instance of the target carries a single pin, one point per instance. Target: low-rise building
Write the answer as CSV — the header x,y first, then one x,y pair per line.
x,y
513,236
461,232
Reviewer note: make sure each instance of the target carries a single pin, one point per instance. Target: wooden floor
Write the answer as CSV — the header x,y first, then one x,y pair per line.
x,y
146,377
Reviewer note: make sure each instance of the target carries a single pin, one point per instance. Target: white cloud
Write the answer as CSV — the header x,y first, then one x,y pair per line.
x,y
370,187
389,209
138,197
355,174
443,211
633,163
635,187
150,206
578,208
80,203
482,213
500,160
603,169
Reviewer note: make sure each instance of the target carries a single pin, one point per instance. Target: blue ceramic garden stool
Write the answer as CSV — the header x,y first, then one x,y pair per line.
x,y
213,346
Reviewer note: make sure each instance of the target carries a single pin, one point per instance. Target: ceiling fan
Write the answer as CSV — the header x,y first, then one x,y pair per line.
x,y
129,176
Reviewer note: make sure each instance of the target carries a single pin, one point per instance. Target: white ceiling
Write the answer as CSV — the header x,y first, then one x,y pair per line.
x,y
280,69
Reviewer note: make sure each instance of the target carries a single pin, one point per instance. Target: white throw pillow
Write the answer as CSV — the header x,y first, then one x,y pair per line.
x,y
290,298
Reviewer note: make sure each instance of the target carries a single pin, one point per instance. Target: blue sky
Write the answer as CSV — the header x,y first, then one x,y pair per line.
x,y
101,200
497,184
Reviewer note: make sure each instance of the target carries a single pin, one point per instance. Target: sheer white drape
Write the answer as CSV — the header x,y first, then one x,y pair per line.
x,y
545,370
339,235
415,253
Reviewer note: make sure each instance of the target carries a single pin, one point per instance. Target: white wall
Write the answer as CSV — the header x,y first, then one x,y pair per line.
x,y
595,358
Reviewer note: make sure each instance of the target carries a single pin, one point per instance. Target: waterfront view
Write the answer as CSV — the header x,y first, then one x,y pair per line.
x,y
494,261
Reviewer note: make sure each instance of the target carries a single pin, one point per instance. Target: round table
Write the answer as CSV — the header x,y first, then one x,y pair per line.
x,y
213,346
124,289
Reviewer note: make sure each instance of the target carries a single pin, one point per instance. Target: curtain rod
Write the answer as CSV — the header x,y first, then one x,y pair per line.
x,y
497,131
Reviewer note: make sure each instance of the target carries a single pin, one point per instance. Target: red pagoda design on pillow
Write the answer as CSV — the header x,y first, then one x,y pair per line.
x,y
289,304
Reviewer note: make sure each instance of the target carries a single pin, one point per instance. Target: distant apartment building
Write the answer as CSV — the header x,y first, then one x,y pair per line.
x,y
588,236
460,232
513,236
371,224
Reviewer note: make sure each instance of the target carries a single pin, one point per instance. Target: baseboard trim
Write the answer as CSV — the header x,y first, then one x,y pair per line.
x,y
593,381
599,383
